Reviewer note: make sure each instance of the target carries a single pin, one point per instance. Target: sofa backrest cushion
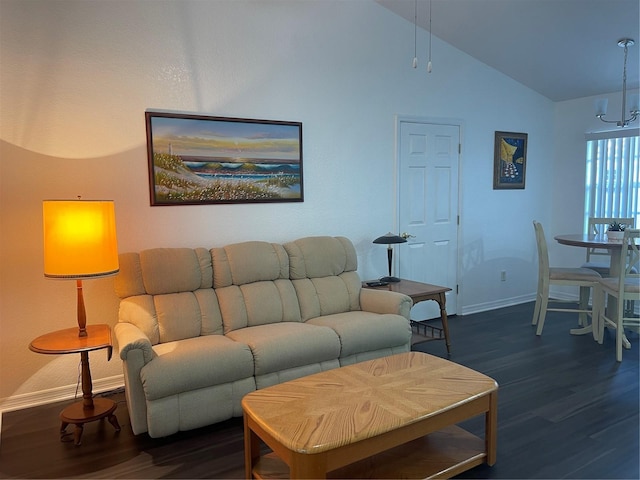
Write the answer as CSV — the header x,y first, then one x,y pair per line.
x,y
323,272
252,284
168,294
315,257
249,262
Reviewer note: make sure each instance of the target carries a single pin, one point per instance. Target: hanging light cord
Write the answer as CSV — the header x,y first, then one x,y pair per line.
x,y
624,81
429,66
415,34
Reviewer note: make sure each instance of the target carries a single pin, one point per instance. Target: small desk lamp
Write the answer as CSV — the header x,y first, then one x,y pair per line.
x,y
79,242
388,240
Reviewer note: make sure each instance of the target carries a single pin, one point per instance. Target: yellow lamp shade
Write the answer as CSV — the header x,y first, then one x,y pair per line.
x,y
79,238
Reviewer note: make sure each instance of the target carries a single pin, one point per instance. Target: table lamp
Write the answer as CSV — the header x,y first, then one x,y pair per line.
x,y
79,242
388,240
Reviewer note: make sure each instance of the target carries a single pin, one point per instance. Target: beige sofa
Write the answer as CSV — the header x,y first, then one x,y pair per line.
x,y
198,329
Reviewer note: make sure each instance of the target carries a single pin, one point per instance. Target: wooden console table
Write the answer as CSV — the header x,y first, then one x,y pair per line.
x,y
89,409
419,292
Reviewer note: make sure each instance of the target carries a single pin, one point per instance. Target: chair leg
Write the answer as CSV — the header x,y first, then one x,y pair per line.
x,y
583,305
619,331
601,311
630,308
595,313
543,313
536,310
618,343
541,308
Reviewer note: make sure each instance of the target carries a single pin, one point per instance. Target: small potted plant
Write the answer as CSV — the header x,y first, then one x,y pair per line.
x,y
615,232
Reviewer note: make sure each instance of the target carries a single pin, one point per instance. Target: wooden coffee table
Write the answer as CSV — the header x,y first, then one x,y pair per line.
x,y
355,421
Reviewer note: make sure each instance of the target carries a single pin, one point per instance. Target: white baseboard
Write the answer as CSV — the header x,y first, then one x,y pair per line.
x,y
27,400
508,302
43,397
504,302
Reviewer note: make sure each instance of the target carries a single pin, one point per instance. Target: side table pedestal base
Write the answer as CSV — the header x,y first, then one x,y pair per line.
x,y
78,415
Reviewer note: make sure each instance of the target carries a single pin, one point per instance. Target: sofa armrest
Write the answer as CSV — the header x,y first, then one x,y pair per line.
x,y
135,351
384,301
129,337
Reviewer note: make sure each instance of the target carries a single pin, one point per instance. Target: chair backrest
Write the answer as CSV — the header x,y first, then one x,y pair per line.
x,y
598,226
543,252
631,245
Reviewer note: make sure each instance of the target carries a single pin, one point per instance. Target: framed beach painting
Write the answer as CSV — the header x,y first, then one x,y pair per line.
x,y
509,160
198,159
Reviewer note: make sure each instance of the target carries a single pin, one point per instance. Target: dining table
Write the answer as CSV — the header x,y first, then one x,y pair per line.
x,y
615,249
595,241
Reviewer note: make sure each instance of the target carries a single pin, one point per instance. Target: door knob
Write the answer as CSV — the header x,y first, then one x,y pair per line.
x,y
406,235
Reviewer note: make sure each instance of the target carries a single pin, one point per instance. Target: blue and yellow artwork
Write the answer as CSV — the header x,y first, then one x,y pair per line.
x,y
510,161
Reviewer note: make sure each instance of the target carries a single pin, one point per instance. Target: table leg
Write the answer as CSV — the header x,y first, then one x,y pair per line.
x,y
585,327
89,410
113,420
491,429
445,323
64,435
308,466
77,434
441,300
251,449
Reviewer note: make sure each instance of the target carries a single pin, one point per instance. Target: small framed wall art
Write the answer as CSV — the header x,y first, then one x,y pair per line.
x,y
198,159
509,160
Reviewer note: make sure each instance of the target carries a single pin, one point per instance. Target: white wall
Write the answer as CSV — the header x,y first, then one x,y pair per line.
x,y
77,76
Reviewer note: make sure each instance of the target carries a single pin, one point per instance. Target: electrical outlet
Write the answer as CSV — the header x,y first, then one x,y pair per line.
x,y
503,276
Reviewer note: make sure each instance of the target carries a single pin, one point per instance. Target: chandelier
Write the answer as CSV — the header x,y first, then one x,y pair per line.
x,y
601,104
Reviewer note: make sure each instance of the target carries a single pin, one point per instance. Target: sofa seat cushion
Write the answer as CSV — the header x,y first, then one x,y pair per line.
x,y
284,345
195,363
364,331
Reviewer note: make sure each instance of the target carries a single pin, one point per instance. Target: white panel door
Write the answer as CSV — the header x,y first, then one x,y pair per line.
x,y
428,209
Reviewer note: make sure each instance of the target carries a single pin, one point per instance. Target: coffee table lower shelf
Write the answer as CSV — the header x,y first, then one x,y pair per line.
x,y
442,454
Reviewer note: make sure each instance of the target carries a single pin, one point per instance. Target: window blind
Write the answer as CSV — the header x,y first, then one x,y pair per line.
x,y
612,187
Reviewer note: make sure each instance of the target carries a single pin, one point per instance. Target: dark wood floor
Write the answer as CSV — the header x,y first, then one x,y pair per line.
x,y
567,409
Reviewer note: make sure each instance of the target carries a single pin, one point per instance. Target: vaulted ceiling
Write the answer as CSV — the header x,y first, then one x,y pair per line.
x,y
563,49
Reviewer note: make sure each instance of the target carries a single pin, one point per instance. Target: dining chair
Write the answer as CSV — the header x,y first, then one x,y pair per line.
x,y
581,277
624,287
598,226
599,259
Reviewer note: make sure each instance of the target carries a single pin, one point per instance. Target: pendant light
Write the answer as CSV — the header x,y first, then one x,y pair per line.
x,y
601,103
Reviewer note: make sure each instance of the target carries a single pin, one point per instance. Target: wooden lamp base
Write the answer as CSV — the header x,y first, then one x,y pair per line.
x,y
77,414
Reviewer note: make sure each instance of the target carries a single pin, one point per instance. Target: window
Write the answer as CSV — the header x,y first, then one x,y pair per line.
x,y
612,187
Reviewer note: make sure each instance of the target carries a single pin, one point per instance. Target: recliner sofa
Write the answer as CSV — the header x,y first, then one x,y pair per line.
x,y
200,328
